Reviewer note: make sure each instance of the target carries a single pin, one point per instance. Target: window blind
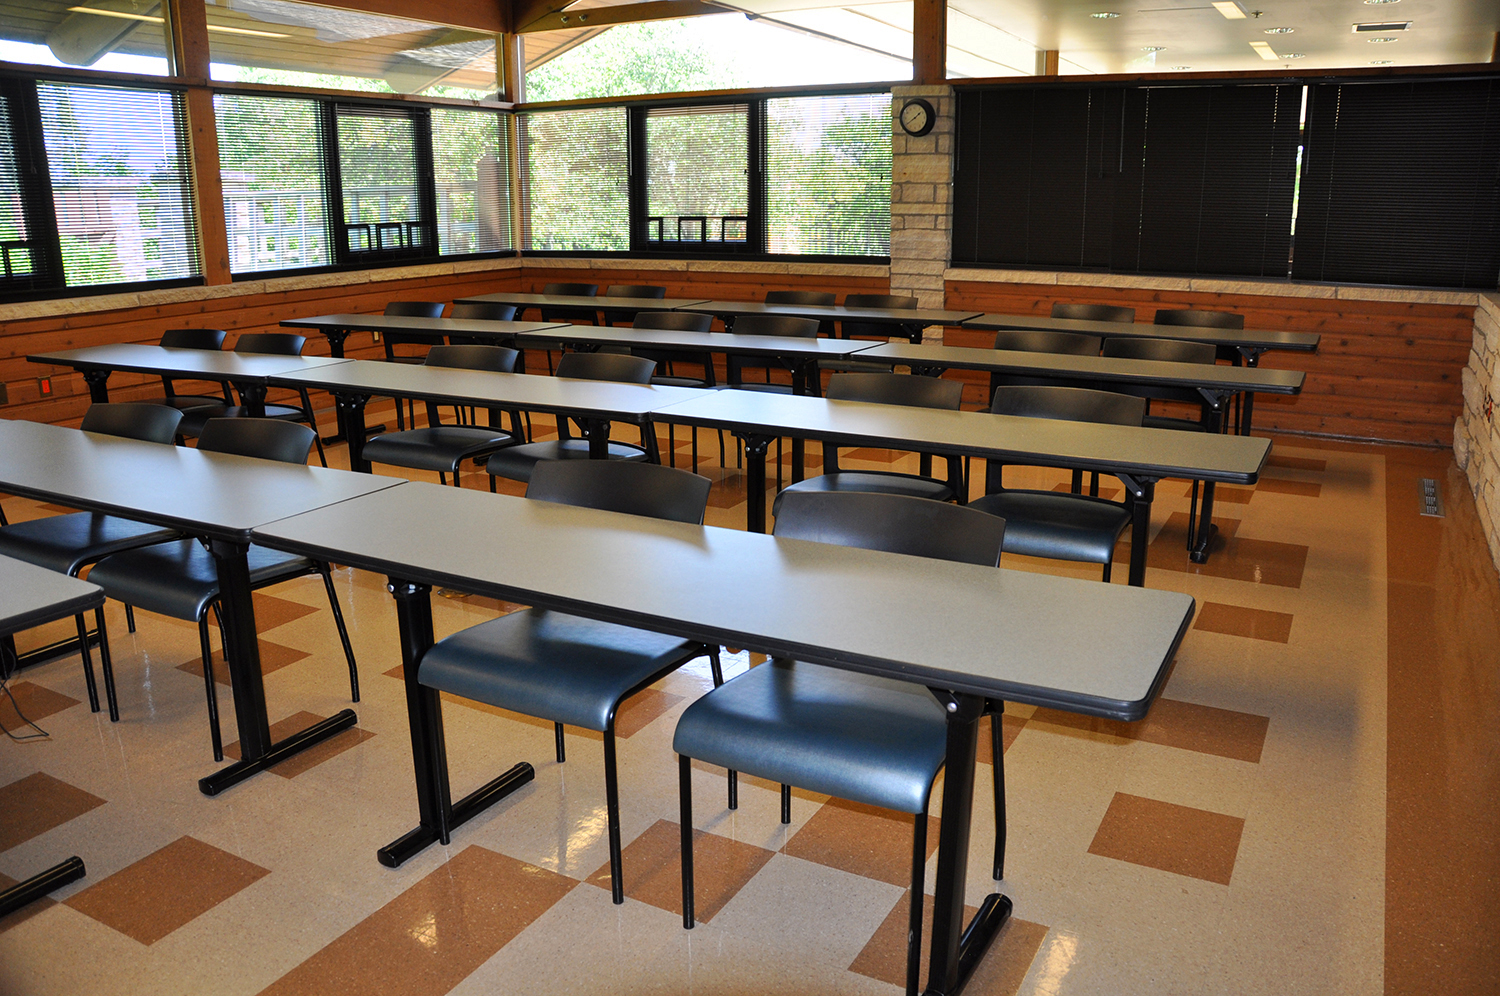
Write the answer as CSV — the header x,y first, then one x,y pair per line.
x,y
697,175
471,167
272,168
19,260
120,175
1401,184
576,167
828,175
378,167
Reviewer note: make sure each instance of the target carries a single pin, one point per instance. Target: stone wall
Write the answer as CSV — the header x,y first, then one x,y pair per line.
x,y
922,201
1476,437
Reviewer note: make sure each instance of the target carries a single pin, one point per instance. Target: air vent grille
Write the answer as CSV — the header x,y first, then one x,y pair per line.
x,y
1382,26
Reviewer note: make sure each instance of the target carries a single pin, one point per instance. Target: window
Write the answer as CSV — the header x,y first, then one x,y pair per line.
x,y
384,209
274,176
17,248
110,36
577,180
471,167
793,176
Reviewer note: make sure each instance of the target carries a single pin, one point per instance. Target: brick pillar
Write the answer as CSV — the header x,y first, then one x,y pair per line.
x,y
922,202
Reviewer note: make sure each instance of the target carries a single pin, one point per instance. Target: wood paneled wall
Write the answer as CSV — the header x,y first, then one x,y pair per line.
x,y
1384,370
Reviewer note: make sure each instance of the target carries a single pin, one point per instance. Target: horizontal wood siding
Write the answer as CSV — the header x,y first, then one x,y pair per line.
x,y
1384,370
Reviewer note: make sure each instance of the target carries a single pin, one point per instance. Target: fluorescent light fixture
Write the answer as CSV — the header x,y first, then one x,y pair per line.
x,y
1264,51
1230,9
1105,15
225,30
1278,31
150,19
1153,48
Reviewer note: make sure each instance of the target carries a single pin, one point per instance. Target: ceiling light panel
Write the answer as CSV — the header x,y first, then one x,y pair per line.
x,y
1229,9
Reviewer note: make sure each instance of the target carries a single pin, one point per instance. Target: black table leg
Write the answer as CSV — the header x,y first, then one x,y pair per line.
x,y
438,816
755,480
98,382
254,397
956,950
1142,493
1206,527
598,433
336,339
24,893
351,414
241,651
1252,359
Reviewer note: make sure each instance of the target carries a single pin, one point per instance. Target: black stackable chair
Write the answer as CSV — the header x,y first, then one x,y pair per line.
x,y
867,330
1093,312
871,740
180,578
1211,320
488,311
803,297
651,291
209,339
1044,341
68,543
1052,524
666,360
887,389
517,462
442,448
570,316
782,325
276,344
408,309
566,668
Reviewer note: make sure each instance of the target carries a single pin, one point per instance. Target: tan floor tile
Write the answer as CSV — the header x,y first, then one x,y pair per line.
x,y
35,804
165,890
861,840
1237,620
26,912
1231,556
313,756
1228,494
36,704
1000,973
652,864
1107,493
1222,732
1010,728
430,937
273,657
1278,459
271,611
1281,486
1170,837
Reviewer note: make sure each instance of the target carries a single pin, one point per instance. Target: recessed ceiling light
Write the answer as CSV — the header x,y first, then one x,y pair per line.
x,y
1377,3
1381,41
1182,67
1294,55
1278,31
1382,62
1105,15
1153,48
1230,9
1264,51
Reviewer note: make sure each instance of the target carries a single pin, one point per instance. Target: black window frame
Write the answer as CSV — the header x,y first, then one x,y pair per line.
x,y
753,248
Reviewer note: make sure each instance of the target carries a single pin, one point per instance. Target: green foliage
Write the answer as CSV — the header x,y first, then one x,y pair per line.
x,y
86,262
647,57
576,173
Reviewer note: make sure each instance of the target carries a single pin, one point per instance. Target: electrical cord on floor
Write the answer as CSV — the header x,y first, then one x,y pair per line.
x,y
8,666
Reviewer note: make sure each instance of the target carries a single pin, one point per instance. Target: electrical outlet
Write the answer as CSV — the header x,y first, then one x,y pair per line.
x,y
376,334
44,386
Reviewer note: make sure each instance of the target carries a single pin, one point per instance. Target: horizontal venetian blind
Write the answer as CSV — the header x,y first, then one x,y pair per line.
x,y
828,175
471,167
20,258
272,168
378,165
577,171
121,183
697,175
1401,184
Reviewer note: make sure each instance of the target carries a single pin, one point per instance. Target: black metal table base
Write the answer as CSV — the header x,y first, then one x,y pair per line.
x,y
408,844
295,744
24,893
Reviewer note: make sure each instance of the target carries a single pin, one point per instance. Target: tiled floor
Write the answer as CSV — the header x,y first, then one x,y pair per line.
x,y
1310,808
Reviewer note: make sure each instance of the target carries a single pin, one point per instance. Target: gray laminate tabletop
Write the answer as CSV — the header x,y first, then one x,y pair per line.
x,y
1060,642
1250,340
31,595
597,302
200,364
433,328
792,347
836,312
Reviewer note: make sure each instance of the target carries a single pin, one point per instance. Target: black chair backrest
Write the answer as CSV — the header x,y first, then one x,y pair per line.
x,y
1073,404
1041,341
620,367
488,311
415,309
799,297
677,321
266,438
622,486
896,389
636,290
585,290
801,328
192,339
879,301
1203,319
150,423
893,523
501,359
1093,312
1175,350
274,343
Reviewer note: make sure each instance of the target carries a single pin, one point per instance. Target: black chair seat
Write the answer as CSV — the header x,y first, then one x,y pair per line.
x,y
857,737
516,462
194,419
552,665
879,482
180,579
1056,525
67,542
1179,424
762,388
437,448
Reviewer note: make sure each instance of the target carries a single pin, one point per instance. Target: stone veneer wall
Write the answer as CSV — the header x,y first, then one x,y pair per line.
x,y
922,202
1476,437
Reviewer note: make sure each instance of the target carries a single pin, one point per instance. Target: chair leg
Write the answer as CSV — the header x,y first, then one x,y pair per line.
x,y
685,804
612,808
338,621
786,804
1193,517
209,689
671,445
129,617
918,898
106,665
734,776
562,754
442,478
88,662
1107,566
492,484
998,765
